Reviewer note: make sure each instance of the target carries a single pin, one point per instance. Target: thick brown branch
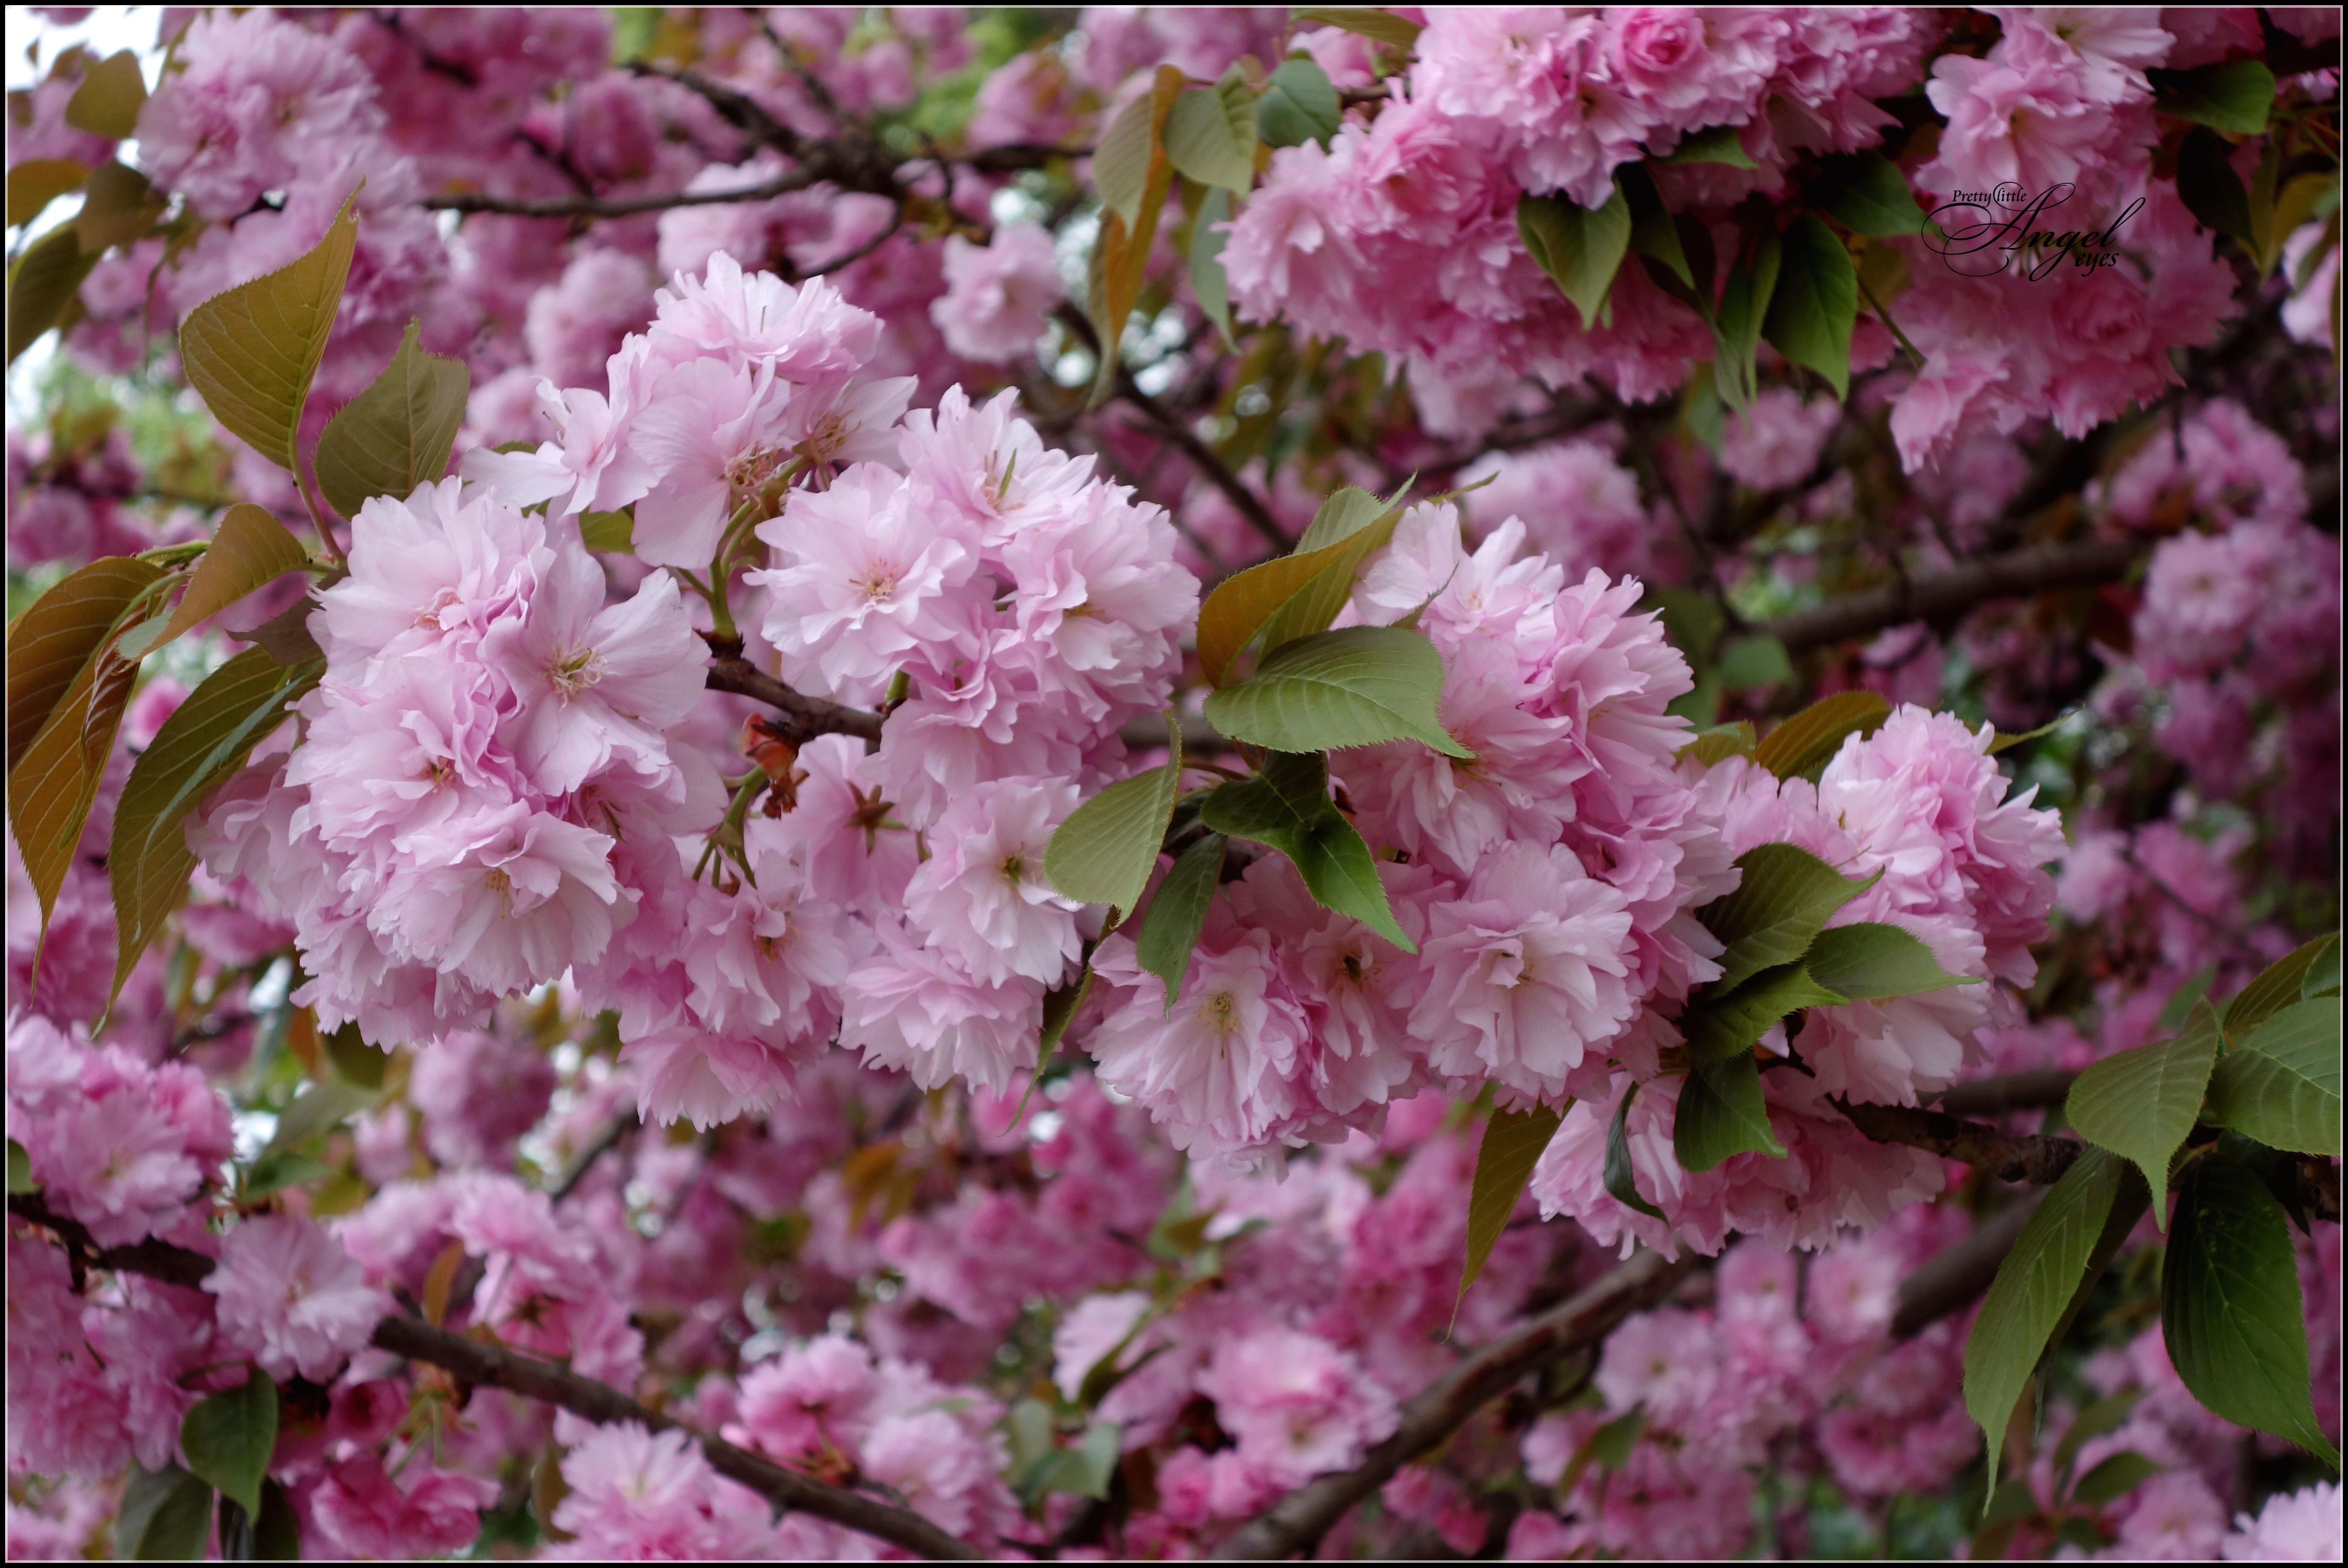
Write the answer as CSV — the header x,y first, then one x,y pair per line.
x,y
804,717
1942,598
2009,1158
613,206
1957,1275
2008,1091
489,1365
1297,1522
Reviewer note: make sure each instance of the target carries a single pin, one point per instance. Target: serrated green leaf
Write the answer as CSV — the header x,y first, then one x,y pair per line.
x,y
227,1438
1512,1145
2282,1086
250,353
1358,522
1717,745
2184,1000
1369,21
1869,961
1178,913
2324,970
1288,807
1815,304
35,183
351,1057
2114,1478
2235,97
1619,1175
1580,249
51,789
1757,660
206,738
1714,144
316,1110
2033,1288
1211,134
2140,1103
2277,986
119,208
2207,185
396,433
1653,232
1786,897
1299,105
41,283
1208,284
250,550
20,1170
1867,194
2230,1306
108,102
1744,300
1717,1027
1106,850
1355,687
1243,603
1722,1114
165,1515
50,642
1812,736
611,533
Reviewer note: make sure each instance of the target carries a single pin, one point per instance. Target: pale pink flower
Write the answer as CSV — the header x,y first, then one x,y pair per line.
x,y
983,895
291,1296
2301,1526
1298,1406
915,1008
998,294
708,431
427,1512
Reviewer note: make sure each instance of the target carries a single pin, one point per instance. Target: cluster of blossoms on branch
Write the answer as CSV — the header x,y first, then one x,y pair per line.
x,y
956,783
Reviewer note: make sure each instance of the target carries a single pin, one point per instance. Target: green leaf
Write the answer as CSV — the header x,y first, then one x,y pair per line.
x,y
206,738
165,1515
1299,105
1084,1469
2230,1306
1867,194
1714,144
1815,303
1869,961
2323,970
1722,1113
42,283
1757,660
1106,850
227,1438
1355,520
2033,1288
2282,1086
51,789
1581,250
1178,913
2004,742
1211,134
269,1172
252,551
2207,185
1383,26
2184,1000
20,1170
396,433
611,533
2114,1478
1243,603
316,1110
2235,97
1355,687
277,1532
35,183
1785,899
108,102
1811,737
351,1057
120,208
1121,162
2140,1103
1211,288
1609,1447
1060,1005
1717,745
1736,325
51,641
1512,1145
1653,234
252,352
1289,808
2279,985
1721,1027
1620,1175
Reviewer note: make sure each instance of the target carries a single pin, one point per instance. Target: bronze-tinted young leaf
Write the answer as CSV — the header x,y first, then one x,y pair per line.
x,y
1121,256
1512,1145
252,551
206,738
119,207
252,352
1371,21
43,280
55,637
1813,735
37,181
108,102
51,789
1243,603
396,433
1359,522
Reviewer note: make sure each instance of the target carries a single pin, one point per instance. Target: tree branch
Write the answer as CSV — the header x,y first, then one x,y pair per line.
x,y
2032,569
490,1365
2009,1158
2008,1091
804,717
615,206
1955,1276
1297,1522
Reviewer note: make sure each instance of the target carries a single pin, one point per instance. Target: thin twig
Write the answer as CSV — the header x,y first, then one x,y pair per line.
x,y
805,717
490,1366
616,206
1297,1522
1944,596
